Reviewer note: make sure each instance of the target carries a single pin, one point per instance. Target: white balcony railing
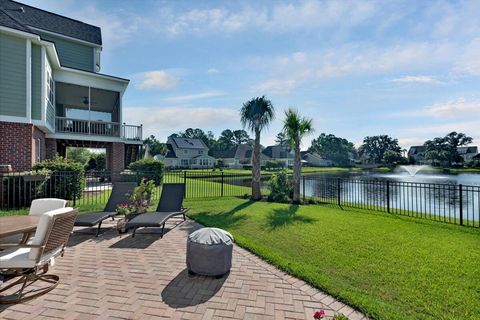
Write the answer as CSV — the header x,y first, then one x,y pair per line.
x,y
98,128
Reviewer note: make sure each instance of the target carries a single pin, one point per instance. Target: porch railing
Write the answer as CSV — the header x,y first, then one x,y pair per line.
x,y
131,132
94,128
98,128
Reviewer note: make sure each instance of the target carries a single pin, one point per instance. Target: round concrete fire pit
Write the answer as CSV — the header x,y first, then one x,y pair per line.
x,y
209,252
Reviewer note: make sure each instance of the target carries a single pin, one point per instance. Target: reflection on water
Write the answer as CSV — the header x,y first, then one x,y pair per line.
x,y
426,194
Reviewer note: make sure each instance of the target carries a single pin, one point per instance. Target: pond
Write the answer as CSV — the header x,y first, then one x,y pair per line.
x,y
453,198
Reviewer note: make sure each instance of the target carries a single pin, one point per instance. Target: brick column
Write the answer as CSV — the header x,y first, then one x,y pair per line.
x,y
16,145
115,153
50,148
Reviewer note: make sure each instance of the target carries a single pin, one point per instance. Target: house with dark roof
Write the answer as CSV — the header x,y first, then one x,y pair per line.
x,y
237,156
280,153
186,153
314,159
417,153
467,153
53,94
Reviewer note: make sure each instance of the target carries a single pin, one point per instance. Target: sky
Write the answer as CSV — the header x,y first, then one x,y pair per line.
x,y
409,69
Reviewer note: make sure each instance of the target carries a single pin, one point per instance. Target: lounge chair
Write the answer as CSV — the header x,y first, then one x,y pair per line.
x,y
30,261
170,205
118,196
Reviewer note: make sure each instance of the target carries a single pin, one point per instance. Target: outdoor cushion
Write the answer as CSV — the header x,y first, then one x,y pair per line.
x,y
209,252
16,258
92,219
42,229
40,206
20,258
152,220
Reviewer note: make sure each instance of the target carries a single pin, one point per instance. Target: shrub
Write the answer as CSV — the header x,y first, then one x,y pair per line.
x,y
18,190
97,162
149,169
340,316
67,178
141,197
280,187
274,165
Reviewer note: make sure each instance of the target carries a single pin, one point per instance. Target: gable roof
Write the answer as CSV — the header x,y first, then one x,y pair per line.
x,y
465,150
278,152
189,143
170,153
24,18
416,149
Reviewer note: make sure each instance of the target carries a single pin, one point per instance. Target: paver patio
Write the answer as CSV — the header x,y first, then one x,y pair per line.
x,y
120,277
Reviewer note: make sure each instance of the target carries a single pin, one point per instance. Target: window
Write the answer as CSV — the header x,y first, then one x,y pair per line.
x,y
200,151
185,151
50,84
184,162
38,153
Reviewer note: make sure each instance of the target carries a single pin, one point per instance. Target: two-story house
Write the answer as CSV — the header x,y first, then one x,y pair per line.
x,y
52,94
280,153
186,153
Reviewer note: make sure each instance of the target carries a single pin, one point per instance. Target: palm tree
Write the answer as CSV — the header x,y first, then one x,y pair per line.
x,y
256,114
295,128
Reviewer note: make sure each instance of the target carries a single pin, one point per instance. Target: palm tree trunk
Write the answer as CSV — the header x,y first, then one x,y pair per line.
x,y
256,175
297,171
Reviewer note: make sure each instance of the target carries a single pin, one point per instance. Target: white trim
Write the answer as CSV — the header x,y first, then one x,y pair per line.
x,y
94,74
91,44
19,33
69,136
28,67
43,113
87,79
14,119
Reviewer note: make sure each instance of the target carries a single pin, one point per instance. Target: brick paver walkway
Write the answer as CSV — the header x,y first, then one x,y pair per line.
x,y
120,277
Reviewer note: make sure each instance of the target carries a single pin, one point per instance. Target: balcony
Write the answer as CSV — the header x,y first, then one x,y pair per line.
x,y
93,112
98,128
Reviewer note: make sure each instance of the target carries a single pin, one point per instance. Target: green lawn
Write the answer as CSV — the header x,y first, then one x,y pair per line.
x,y
389,267
304,170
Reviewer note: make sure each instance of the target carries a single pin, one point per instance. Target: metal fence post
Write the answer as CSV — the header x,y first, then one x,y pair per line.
x,y
185,183
338,193
222,183
460,199
74,188
303,184
388,196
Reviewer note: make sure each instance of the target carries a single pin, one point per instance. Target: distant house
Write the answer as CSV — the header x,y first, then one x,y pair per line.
x,y
315,160
279,153
417,153
234,157
186,153
467,153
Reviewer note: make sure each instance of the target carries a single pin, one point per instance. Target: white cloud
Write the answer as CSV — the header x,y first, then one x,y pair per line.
x,y
417,80
213,70
288,72
460,108
163,121
157,79
197,96
469,60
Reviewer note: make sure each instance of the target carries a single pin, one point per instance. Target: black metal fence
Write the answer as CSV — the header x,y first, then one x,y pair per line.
x,y
458,204
451,203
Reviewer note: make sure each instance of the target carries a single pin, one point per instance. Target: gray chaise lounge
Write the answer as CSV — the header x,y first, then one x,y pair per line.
x,y
170,205
118,196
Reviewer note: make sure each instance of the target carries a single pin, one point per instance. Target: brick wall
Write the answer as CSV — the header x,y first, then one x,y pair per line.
x,y
16,145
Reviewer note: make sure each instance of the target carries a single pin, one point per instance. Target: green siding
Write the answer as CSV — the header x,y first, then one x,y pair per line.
x,y
13,76
36,82
72,54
